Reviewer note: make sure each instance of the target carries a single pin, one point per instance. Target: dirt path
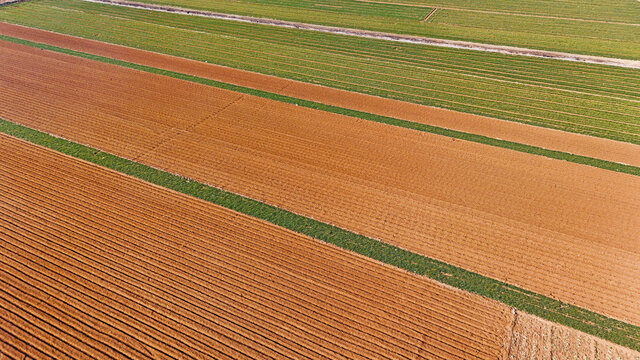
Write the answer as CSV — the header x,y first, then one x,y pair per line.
x,y
93,263
9,2
531,135
557,228
502,49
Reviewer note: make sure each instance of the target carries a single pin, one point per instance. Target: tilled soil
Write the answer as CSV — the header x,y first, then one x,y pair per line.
x,y
605,149
560,229
537,339
94,263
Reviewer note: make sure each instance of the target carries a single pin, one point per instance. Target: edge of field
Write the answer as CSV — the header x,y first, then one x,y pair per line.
x,y
569,315
530,149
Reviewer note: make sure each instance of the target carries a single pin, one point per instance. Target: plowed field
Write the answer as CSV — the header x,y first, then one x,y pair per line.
x,y
531,135
536,339
560,229
95,263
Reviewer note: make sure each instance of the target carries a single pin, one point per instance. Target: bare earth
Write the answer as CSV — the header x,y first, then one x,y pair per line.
x,y
557,228
97,264
93,264
531,135
537,339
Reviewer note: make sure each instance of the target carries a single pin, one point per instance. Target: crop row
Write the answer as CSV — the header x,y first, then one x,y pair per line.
x,y
256,290
561,34
593,100
279,156
548,308
602,10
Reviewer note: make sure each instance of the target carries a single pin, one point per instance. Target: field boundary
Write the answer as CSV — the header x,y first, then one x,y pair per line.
x,y
456,44
531,149
572,316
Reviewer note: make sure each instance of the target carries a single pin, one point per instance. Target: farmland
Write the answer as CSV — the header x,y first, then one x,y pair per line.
x,y
555,144
179,186
561,29
39,236
587,99
624,11
333,180
42,224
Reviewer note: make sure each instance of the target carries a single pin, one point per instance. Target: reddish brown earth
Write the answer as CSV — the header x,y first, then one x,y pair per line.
x,y
557,228
97,264
537,339
547,138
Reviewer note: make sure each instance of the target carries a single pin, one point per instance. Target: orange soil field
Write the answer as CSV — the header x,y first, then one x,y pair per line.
x,y
537,339
547,138
94,263
557,228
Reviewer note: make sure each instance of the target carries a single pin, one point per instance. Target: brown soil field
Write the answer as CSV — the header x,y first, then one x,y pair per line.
x,y
537,339
94,263
556,228
532,135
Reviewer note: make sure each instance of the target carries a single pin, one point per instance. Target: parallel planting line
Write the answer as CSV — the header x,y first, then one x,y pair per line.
x,y
509,50
494,68
243,52
211,281
554,154
223,27
498,12
572,316
157,110
91,72
340,308
440,88
339,173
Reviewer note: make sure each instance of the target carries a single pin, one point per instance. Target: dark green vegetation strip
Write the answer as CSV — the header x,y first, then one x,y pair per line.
x,y
553,154
562,313
557,33
595,100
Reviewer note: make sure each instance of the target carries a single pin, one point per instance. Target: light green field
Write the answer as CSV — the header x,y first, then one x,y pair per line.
x,y
589,99
609,31
626,11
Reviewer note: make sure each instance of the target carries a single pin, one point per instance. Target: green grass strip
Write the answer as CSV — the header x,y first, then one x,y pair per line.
x,y
553,154
527,301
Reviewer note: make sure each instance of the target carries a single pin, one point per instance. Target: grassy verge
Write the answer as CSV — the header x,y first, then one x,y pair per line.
x,y
594,100
553,154
562,313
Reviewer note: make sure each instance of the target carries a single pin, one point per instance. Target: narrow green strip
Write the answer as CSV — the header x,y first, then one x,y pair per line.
x,y
527,301
553,154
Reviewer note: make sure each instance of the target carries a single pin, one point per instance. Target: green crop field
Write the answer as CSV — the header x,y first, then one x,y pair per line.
x,y
590,99
601,10
611,30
